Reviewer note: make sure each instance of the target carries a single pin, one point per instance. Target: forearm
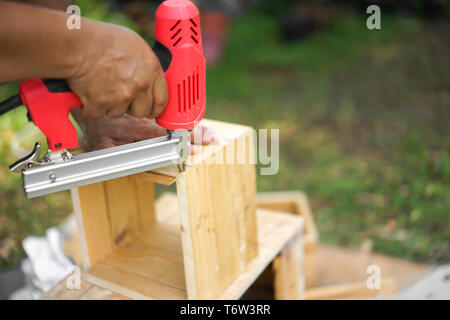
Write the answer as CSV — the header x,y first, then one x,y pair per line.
x,y
52,4
111,68
35,42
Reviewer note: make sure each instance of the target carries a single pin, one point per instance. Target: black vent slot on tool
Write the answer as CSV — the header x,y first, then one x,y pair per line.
x,y
188,92
194,35
176,36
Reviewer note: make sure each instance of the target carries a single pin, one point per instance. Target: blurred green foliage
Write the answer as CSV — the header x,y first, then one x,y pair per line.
x,y
363,118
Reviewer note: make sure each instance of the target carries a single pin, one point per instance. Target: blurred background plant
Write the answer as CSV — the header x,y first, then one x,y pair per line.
x,y
363,116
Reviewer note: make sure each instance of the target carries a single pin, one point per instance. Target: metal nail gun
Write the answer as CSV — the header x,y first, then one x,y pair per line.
x,y
179,48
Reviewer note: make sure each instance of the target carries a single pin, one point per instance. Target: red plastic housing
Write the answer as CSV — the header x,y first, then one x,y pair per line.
x,y
177,27
50,113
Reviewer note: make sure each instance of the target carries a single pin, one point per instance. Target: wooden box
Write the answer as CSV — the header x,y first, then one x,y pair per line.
x,y
296,202
200,244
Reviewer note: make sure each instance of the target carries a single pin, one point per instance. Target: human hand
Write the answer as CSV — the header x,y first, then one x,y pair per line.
x,y
118,74
109,132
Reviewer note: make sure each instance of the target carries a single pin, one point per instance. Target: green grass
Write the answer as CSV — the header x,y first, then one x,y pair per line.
x,y
363,130
363,118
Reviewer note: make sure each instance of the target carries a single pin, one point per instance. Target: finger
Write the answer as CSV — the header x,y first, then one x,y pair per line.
x,y
117,111
203,135
151,129
160,95
93,111
99,144
194,149
141,106
147,128
209,135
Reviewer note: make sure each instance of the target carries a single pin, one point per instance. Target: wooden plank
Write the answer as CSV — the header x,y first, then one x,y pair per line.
x,y
217,213
351,291
121,208
187,243
170,172
97,293
166,208
294,202
312,237
91,212
130,206
61,292
158,177
154,257
275,230
87,291
156,266
144,193
131,285
225,133
70,240
405,272
109,212
289,281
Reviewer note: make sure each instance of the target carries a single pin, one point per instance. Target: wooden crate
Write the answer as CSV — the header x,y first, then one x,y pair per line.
x,y
136,250
294,202
279,238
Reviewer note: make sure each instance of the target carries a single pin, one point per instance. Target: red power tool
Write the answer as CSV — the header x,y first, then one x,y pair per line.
x,y
178,47
177,29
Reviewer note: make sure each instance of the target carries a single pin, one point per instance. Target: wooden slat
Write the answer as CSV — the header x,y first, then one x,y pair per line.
x,y
130,284
166,208
217,204
275,231
350,291
289,283
97,293
159,177
91,212
121,208
294,202
61,292
144,193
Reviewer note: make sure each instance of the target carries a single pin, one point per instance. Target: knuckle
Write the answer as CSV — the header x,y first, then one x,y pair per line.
x,y
154,64
161,100
139,113
155,67
142,84
101,102
114,113
125,96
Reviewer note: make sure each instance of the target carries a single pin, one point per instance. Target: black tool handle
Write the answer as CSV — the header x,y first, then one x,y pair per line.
x,y
10,104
